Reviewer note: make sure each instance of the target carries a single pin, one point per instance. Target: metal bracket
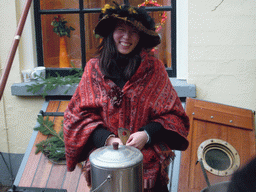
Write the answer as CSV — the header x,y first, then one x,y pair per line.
x,y
41,112
204,172
34,189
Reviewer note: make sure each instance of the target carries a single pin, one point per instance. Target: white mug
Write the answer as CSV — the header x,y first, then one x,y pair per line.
x,y
26,75
38,71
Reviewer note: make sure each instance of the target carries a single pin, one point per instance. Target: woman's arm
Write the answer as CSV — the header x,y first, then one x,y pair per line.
x,y
102,137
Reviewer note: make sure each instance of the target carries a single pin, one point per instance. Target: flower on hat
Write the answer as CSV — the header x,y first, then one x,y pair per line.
x,y
132,10
106,7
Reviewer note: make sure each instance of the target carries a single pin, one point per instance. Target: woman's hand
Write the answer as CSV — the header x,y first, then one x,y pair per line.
x,y
138,140
111,140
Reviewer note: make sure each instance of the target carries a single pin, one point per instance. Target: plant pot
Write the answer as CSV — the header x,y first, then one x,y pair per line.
x,y
64,60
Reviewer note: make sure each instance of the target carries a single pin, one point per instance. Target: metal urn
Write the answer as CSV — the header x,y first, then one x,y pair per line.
x,y
116,168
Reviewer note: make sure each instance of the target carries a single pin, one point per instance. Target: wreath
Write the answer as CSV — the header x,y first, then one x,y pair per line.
x,y
163,15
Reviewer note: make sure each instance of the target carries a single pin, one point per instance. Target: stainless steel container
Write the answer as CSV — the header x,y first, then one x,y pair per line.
x,y
116,169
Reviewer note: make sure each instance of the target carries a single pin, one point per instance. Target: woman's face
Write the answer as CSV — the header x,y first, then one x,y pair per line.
x,y
126,38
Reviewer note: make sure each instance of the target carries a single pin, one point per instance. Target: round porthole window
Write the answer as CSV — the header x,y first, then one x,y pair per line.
x,y
218,157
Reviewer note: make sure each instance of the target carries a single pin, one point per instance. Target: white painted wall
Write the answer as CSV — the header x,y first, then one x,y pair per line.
x,y
17,115
182,39
222,51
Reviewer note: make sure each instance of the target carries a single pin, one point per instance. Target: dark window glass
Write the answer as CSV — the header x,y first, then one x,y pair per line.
x,y
217,159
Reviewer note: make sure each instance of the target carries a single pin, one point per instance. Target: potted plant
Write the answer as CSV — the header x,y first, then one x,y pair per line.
x,y
62,30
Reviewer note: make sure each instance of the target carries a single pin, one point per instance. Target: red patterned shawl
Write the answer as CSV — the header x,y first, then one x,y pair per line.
x,y
148,96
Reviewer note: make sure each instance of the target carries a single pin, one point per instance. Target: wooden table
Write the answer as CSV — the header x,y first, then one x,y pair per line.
x,y
37,171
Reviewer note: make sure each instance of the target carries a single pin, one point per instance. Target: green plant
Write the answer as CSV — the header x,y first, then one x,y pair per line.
x,y
59,27
53,147
51,83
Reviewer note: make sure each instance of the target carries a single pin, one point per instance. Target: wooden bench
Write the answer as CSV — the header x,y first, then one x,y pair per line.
x,y
37,171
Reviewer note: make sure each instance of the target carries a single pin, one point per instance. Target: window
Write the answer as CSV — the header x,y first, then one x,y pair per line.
x,y
218,157
82,15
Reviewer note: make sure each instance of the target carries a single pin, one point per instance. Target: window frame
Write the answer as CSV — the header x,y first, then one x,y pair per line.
x,y
172,71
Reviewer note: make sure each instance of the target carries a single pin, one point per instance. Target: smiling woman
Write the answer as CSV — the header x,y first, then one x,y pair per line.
x,y
126,37
126,86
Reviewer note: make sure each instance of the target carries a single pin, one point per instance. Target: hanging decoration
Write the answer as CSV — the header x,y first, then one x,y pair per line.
x,y
163,15
59,27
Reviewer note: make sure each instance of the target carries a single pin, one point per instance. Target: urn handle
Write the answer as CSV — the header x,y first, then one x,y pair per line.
x,y
109,177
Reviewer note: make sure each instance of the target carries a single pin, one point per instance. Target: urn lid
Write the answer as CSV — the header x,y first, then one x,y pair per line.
x,y
116,156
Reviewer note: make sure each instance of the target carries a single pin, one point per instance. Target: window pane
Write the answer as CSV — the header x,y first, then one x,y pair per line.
x,y
59,4
99,3
218,159
163,25
91,42
52,42
160,2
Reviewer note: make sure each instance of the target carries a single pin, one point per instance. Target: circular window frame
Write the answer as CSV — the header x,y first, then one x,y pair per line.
x,y
223,146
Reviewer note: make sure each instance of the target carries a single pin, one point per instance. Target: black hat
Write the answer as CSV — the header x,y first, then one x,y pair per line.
x,y
138,17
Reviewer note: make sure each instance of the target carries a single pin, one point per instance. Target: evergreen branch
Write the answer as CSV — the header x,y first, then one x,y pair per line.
x,y
53,147
51,83
54,133
46,127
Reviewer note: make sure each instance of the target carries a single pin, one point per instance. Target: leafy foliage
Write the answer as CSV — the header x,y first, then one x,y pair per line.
x,y
53,147
51,83
46,126
59,27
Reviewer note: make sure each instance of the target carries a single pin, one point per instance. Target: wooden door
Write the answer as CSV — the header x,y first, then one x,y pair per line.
x,y
214,121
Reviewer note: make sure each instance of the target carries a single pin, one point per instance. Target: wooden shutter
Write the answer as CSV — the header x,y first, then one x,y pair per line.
x,y
214,121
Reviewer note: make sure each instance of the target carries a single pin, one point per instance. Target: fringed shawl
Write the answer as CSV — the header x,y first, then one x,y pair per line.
x,y
148,96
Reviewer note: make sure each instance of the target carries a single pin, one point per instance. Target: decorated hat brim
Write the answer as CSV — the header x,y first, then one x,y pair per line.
x,y
150,38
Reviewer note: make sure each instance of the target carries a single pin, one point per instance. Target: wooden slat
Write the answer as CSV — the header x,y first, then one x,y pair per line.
x,y
241,120
44,166
82,185
58,172
71,180
43,170
40,172
31,166
221,107
57,176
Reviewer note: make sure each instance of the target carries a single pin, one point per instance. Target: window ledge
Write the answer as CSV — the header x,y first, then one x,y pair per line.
x,y
183,88
19,89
